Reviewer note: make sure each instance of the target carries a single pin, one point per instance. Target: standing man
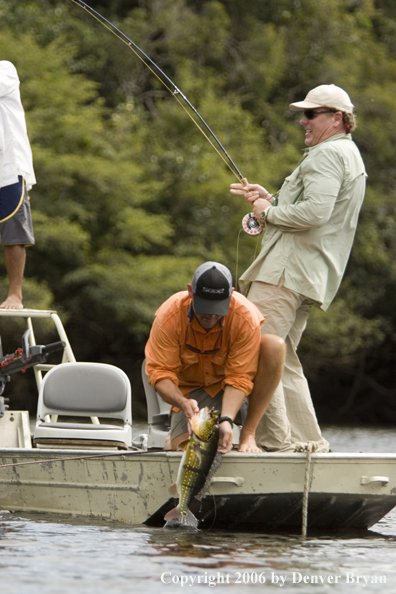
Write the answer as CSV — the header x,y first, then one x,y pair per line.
x,y
204,350
309,234
16,179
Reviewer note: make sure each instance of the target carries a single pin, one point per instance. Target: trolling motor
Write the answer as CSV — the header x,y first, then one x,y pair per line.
x,y
23,358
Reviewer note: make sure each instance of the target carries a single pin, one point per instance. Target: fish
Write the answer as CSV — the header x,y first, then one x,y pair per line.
x,y
199,462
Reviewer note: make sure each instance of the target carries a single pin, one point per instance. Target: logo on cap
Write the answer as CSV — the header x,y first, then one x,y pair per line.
x,y
212,288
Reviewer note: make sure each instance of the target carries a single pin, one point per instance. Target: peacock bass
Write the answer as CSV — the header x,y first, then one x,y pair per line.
x,y
199,462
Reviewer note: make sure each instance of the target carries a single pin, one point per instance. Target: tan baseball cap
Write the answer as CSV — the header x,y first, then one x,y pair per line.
x,y
325,96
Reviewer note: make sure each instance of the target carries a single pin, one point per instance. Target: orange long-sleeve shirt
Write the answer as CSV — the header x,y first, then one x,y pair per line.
x,y
236,339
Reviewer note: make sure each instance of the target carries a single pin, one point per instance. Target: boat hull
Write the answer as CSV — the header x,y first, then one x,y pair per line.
x,y
249,492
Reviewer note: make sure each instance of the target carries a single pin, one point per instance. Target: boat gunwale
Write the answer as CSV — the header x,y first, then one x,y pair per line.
x,y
91,454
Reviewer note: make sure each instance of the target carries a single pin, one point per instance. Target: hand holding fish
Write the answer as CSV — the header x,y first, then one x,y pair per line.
x,y
225,438
190,408
172,394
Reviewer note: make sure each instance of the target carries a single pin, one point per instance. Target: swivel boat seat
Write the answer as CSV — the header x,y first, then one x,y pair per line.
x,y
84,405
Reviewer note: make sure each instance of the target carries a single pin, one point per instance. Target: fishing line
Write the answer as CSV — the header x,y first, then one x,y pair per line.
x,y
237,252
237,259
89,457
214,514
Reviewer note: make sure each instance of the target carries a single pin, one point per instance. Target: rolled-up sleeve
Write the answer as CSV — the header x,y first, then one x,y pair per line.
x,y
162,353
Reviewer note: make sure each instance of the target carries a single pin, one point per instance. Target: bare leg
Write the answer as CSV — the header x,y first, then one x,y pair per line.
x,y
269,373
15,258
168,445
178,440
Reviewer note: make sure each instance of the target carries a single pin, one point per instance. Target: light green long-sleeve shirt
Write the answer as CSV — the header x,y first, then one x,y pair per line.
x,y
310,233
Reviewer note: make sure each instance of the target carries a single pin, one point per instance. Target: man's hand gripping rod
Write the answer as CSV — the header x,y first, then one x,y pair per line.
x,y
250,224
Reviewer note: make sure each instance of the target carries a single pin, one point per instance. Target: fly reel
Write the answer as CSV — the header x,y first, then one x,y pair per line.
x,y
251,226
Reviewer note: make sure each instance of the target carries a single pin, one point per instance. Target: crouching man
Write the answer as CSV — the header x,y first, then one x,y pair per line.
x,y
205,349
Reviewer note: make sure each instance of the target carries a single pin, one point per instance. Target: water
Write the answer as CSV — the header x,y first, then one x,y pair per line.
x,y
50,554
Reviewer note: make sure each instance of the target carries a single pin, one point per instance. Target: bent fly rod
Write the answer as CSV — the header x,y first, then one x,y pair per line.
x,y
250,225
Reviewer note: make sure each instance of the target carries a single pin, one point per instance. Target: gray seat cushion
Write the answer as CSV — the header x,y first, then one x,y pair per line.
x,y
85,388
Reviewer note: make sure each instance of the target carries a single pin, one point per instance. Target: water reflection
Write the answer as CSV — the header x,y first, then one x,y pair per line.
x,y
360,439
49,554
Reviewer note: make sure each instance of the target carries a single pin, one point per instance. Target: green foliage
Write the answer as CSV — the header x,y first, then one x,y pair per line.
x,y
129,290
131,197
61,246
339,335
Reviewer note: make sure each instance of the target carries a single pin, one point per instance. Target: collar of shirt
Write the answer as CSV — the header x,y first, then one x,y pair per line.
x,y
309,149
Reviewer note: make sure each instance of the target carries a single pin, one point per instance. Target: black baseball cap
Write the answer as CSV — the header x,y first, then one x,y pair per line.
x,y
212,288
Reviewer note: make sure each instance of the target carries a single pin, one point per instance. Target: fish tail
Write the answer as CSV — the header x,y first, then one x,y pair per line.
x,y
177,518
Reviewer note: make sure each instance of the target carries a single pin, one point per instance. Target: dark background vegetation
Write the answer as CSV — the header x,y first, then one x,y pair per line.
x,y
131,198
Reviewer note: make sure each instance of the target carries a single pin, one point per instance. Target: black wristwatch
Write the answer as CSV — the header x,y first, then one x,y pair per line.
x,y
222,419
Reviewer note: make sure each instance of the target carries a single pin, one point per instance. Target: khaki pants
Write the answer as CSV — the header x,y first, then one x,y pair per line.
x,y
290,420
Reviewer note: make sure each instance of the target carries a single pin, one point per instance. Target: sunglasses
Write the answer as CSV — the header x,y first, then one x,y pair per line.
x,y
310,114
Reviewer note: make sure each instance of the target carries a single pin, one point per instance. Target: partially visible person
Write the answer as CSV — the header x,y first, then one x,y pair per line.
x,y
205,349
16,179
309,234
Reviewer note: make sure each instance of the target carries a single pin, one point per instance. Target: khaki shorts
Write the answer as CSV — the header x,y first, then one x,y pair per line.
x,y
16,226
179,421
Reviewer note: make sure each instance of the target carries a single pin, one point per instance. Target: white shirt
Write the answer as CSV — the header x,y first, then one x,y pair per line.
x,y
15,152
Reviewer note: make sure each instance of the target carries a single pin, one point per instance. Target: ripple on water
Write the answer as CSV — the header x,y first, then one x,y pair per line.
x,y
50,554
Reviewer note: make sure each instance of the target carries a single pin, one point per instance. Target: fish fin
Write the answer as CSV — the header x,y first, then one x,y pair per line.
x,y
183,444
173,490
217,461
175,518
